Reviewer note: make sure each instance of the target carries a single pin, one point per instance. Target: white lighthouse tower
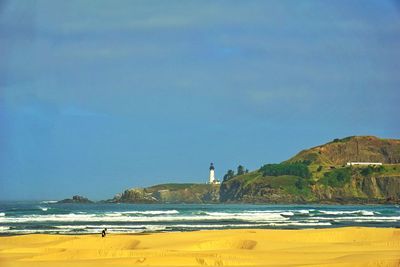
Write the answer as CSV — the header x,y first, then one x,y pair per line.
x,y
212,179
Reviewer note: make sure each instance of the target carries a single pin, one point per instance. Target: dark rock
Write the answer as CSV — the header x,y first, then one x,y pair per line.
x,y
76,199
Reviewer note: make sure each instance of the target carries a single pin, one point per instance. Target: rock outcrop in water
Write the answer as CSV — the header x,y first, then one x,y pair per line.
x,y
76,199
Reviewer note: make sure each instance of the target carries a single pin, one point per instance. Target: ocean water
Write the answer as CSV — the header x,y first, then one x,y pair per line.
x,y
48,217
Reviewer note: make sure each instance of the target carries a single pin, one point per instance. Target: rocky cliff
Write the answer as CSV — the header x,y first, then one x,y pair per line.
x,y
76,199
370,189
171,193
329,179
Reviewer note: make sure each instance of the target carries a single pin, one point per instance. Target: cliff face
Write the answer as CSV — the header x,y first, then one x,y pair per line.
x,y
264,190
330,180
135,195
360,189
371,189
171,193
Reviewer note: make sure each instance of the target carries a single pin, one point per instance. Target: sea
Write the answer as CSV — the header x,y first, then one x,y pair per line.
x,y
49,217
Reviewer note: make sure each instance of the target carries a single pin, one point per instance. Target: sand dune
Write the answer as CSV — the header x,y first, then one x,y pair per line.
x,y
328,247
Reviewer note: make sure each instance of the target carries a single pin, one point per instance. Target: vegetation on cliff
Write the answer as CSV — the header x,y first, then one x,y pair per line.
x,y
171,193
320,174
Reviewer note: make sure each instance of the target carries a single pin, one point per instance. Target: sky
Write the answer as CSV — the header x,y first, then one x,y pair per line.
x,y
100,96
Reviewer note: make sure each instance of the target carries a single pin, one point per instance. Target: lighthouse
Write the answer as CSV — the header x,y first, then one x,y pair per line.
x,y
212,179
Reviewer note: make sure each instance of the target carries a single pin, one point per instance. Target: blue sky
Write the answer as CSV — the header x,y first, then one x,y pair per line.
x,y
99,96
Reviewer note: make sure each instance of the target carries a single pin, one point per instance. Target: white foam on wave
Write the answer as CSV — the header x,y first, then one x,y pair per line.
x,y
303,211
2,214
362,212
137,212
43,208
263,211
287,213
308,223
111,228
367,213
72,217
113,214
151,212
283,212
48,201
245,216
4,228
361,218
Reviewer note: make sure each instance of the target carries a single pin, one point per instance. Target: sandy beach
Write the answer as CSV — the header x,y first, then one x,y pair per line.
x,y
323,247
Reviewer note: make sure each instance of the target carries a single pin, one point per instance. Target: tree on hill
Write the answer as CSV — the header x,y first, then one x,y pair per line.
x,y
240,170
297,169
229,174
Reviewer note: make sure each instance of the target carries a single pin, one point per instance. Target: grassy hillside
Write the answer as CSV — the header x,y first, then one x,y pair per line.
x,y
320,174
353,148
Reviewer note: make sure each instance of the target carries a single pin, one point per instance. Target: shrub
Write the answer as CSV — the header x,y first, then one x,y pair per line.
x,y
371,169
297,169
229,174
301,183
367,171
337,177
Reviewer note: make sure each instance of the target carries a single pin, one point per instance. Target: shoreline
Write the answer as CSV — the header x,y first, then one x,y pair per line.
x,y
189,231
345,246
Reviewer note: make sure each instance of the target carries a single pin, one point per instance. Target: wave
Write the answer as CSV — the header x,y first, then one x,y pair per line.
x,y
362,212
359,218
151,212
304,211
287,213
248,216
48,202
282,212
115,217
173,215
35,218
147,212
96,229
111,227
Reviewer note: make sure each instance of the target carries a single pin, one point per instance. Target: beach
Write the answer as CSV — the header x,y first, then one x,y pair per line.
x,y
349,246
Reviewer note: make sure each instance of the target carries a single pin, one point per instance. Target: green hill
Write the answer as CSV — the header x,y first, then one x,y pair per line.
x,y
320,174
353,148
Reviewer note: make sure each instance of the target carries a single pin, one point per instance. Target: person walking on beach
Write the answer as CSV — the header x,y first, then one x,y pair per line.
x,y
103,233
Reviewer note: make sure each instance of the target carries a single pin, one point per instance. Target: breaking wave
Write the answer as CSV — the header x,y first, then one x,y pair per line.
x,y
123,218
